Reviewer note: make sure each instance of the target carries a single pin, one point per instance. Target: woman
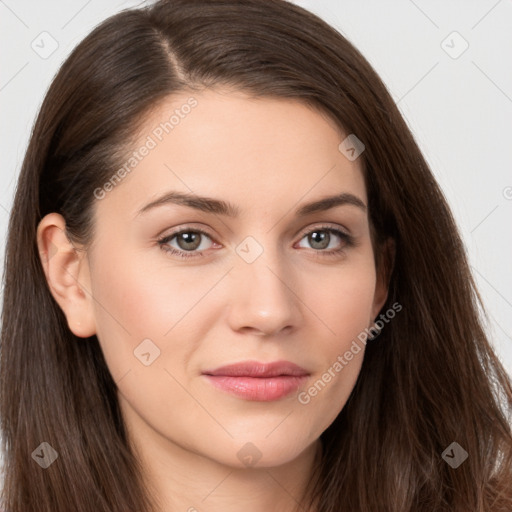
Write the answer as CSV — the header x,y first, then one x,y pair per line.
x,y
232,282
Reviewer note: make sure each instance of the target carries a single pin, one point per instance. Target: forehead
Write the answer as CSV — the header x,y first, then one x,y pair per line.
x,y
257,153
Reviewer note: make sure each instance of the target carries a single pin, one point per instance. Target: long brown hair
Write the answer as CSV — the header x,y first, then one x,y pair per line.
x,y
430,378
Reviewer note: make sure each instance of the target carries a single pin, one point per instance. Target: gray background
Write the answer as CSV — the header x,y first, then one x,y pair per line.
x,y
456,100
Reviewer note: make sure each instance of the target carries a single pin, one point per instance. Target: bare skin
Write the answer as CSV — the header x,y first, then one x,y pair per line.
x,y
268,158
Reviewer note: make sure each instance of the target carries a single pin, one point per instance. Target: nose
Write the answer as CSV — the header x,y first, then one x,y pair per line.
x,y
264,299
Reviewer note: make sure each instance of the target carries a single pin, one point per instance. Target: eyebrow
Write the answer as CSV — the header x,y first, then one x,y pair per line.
x,y
220,207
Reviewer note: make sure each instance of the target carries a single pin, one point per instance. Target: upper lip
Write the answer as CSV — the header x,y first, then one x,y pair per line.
x,y
257,369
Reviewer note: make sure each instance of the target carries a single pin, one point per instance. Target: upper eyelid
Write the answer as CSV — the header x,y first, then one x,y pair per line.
x,y
326,227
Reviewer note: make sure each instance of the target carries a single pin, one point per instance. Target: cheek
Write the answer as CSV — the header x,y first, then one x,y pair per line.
x,y
344,302
344,306
136,300
128,309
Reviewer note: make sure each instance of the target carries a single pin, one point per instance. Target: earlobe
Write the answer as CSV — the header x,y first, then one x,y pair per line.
x,y
67,274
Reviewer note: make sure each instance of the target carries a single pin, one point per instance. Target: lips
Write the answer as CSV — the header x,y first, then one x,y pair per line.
x,y
256,369
256,381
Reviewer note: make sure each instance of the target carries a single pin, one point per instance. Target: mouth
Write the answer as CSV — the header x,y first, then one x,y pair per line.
x,y
256,381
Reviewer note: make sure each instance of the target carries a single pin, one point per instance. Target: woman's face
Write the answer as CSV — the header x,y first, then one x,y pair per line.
x,y
263,280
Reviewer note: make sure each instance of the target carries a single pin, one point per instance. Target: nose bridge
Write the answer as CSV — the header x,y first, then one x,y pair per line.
x,y
263,297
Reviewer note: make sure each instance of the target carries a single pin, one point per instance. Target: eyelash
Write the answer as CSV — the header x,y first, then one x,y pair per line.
x,y
348,240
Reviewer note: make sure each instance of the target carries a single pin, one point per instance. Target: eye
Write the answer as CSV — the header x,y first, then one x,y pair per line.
x,y
321,238
188,241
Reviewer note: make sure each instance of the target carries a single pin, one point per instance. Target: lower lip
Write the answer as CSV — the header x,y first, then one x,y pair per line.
x,y
263,389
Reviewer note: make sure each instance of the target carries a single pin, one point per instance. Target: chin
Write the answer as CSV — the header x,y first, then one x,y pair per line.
x,y
257,452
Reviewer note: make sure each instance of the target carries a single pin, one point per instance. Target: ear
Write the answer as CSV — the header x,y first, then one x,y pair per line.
x,y
383,276
67,273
